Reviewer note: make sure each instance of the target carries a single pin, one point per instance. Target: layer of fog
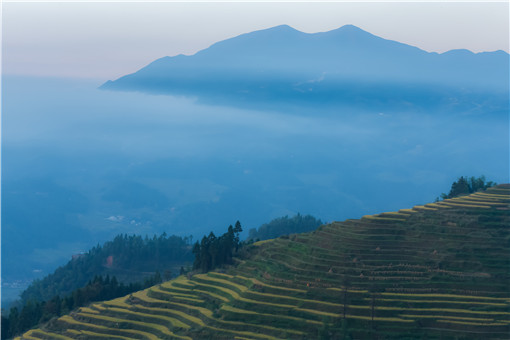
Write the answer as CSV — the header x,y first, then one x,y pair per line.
x,y
81,165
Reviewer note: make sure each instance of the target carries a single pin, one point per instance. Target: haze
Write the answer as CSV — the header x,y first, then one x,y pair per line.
x,y
109,40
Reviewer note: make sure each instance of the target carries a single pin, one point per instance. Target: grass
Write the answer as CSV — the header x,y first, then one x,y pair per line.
x,y
107,330
243,311
149,325
174,322
381,218
465,205
90,334
220,281
467,323
408,211
448,302
377,318
296,300
263,284
187,317
259,243
453,296
33,333
175,296
93,311
216,296
226,291
445,317
454,310
422,207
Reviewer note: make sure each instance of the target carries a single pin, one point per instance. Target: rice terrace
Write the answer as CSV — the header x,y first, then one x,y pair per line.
x,y
436,271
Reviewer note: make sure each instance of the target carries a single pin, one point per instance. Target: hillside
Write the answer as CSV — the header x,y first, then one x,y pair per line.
x,y
441,270
343,67
129,258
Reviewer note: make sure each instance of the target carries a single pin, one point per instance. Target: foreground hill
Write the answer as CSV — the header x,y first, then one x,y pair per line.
x,y
441,270
343,67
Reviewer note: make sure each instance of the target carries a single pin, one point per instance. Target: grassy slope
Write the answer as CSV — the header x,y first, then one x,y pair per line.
x,y
440,270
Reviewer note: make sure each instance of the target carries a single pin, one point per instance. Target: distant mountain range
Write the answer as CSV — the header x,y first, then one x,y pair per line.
x,y
346,66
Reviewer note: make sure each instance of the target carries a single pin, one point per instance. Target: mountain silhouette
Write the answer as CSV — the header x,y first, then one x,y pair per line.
x,y
345,66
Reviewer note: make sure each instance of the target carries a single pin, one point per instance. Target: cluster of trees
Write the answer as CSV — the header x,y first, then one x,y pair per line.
x,y
130,258
285,226
98,289
213,251
465,186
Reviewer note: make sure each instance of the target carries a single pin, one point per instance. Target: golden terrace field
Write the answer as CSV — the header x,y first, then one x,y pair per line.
x,y
438,271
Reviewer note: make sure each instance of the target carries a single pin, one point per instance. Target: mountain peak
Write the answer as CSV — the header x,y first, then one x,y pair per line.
x,y
350,30
282,28
276,31
458,52
350,27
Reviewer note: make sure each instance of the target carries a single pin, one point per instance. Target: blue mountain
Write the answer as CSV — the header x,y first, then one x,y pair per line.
x,y
345,66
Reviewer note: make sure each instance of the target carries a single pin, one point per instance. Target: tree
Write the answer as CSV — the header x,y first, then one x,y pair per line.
x,y
284,226
11,327
460,187
213,251
465,186
237,231
6,326
198,258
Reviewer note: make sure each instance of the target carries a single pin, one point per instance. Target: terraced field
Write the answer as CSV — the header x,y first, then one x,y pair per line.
x,y
437,271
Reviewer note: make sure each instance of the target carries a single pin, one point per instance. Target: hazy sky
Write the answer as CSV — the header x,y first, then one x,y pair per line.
x,y
107,40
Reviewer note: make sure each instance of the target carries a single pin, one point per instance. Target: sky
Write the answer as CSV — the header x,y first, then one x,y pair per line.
x,y
106,40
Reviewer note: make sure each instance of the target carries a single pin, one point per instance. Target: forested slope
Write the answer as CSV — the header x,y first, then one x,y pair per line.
x,y
129,258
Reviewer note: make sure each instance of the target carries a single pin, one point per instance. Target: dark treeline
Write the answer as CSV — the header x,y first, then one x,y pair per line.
x,y
98,289
129,258
284,226
213,251
465,186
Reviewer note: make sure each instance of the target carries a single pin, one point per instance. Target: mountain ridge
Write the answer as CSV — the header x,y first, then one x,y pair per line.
x,y
356,68
333,31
